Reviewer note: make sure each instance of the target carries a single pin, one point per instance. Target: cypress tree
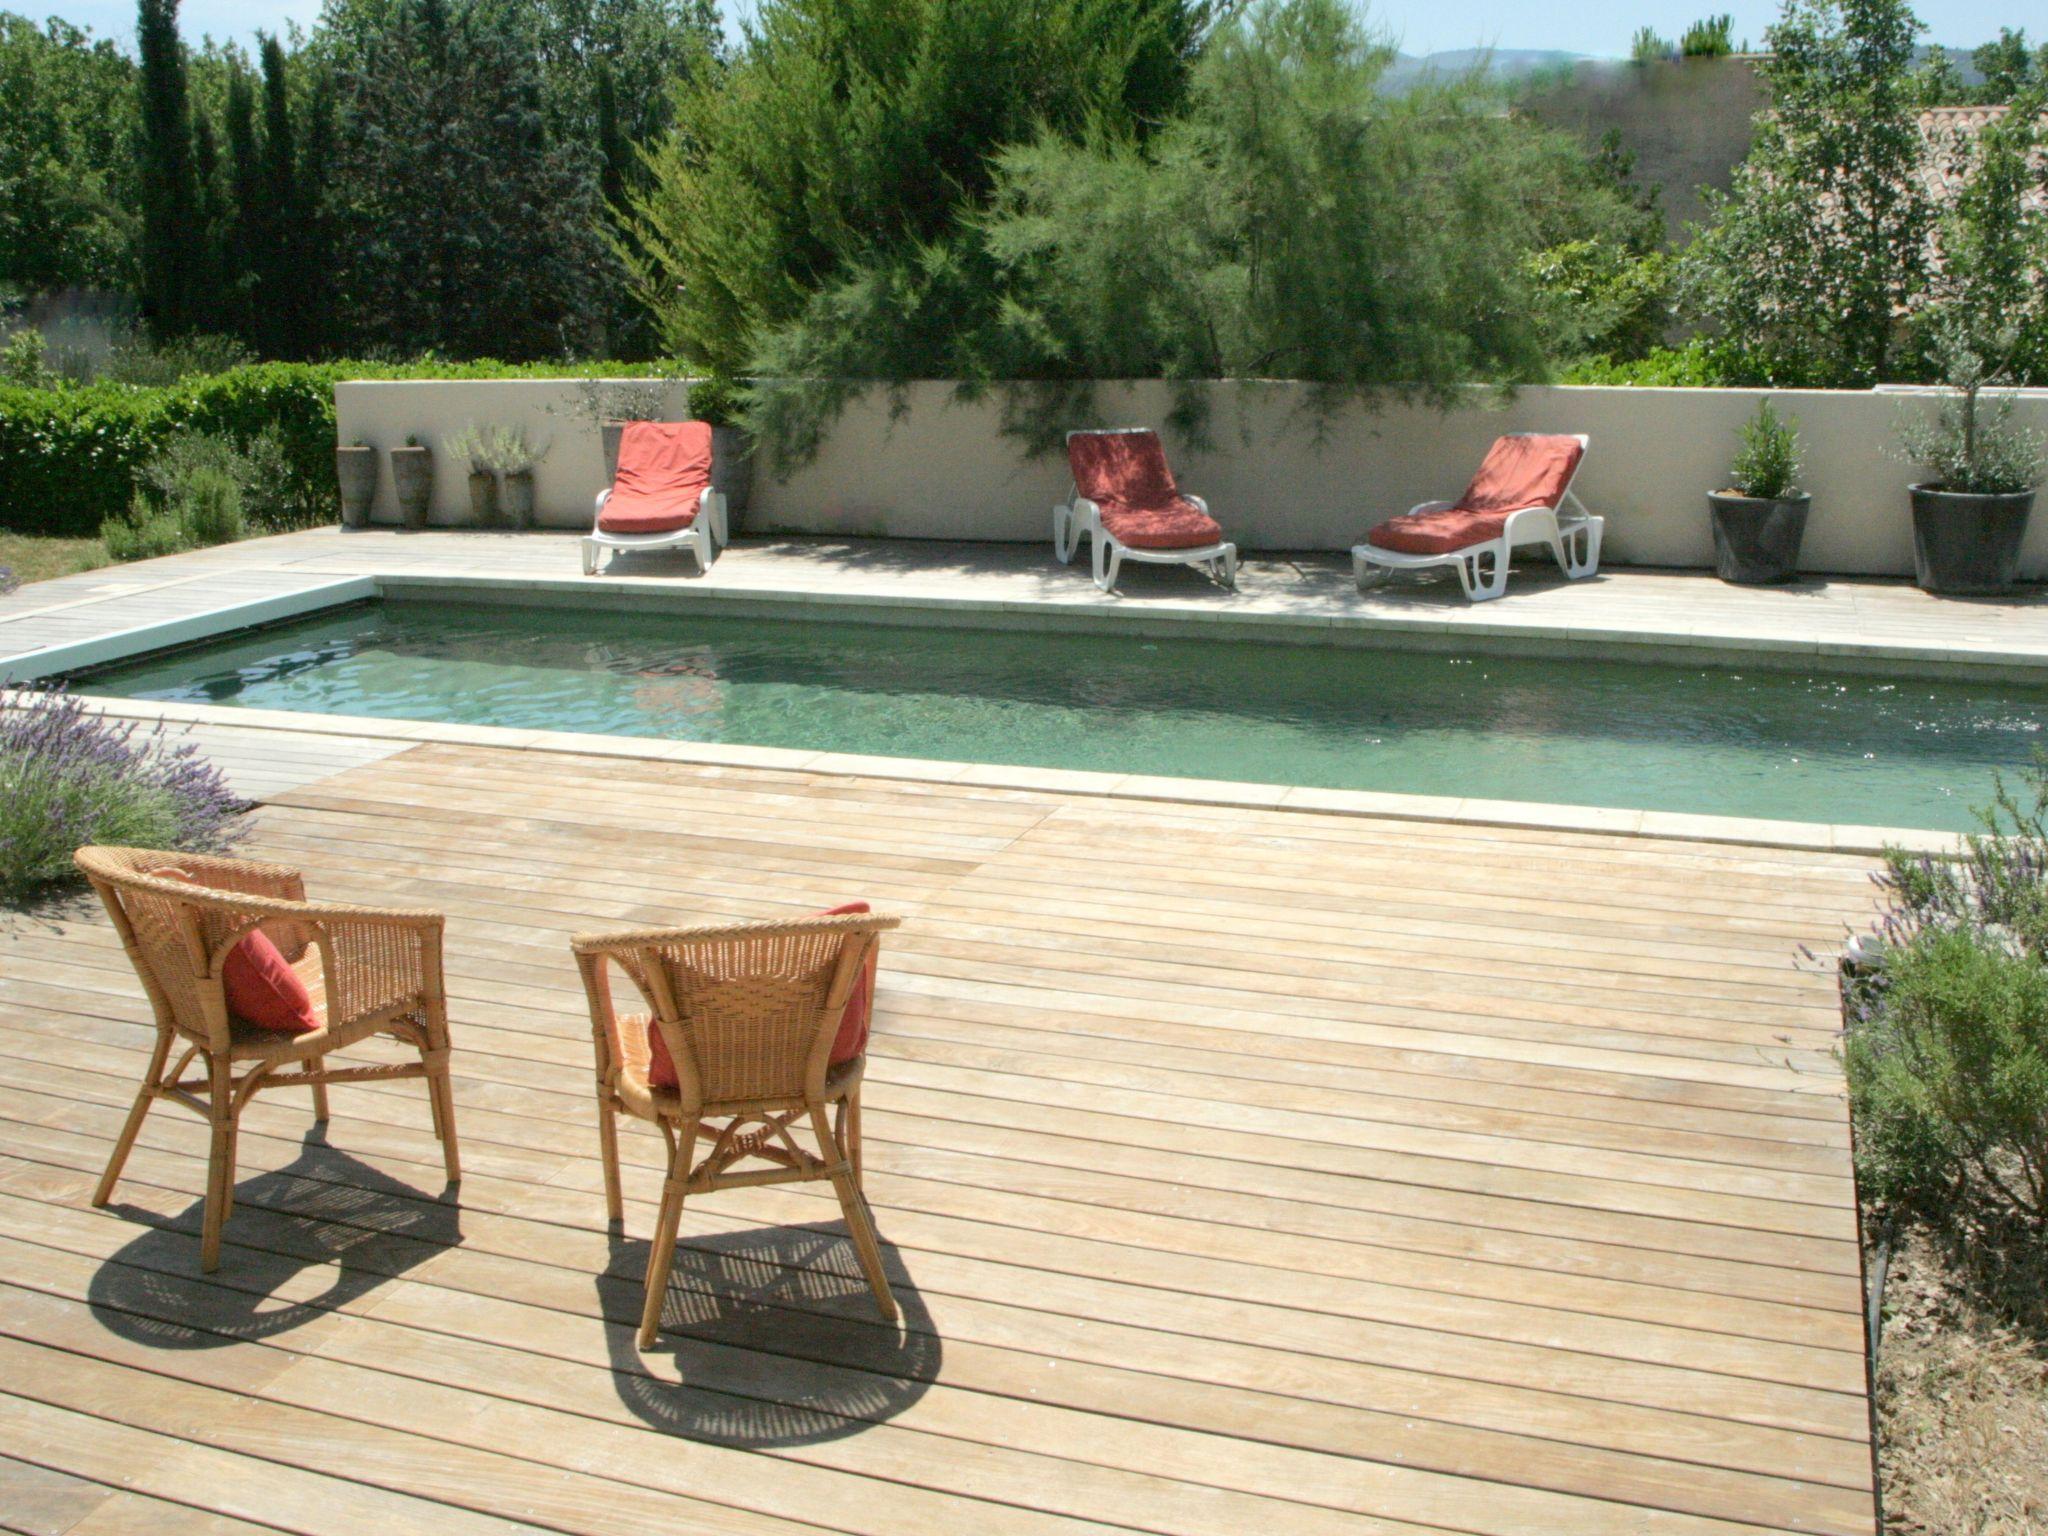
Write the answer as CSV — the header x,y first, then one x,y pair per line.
x,y
280,286
248,221
171,237
207,254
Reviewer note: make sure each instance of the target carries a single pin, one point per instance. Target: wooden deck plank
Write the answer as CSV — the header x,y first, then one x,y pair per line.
x,y
1238,1168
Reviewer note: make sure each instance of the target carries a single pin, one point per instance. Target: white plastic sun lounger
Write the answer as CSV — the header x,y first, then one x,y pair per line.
x,y
1562,522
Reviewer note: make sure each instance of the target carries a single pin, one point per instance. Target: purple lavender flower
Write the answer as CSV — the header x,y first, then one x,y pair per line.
x,y
69,777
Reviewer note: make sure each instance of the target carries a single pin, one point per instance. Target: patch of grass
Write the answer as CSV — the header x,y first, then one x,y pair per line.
x,y
34,557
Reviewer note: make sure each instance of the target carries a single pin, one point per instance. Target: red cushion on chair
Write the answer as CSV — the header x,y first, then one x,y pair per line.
x,y
1126,469
1126,475
851,1040
261,987
263,990
1437,533
1521,471
1525,470
664,468
1180,526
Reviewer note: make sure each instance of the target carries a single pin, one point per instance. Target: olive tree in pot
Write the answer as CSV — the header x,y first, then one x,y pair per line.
x,y
611,403
412,472
1760,519
1970,516
721,401
355,471
471,446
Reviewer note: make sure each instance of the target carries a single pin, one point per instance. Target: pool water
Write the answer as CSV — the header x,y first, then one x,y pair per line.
x,y
1724,741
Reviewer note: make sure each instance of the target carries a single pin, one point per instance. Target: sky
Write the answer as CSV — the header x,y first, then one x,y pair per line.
x,y
1597,27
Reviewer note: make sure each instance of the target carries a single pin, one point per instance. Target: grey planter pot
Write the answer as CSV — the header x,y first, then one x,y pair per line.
x,y
732,469
1756,538
519,497
355,471
412,471
483,498
1966,545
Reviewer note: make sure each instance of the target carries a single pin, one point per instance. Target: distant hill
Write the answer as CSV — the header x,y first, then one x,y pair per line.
x,y
1518,63
1505,63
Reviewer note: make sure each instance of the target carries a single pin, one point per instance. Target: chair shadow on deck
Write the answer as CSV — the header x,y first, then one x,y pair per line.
x,y
323,1210
774,1335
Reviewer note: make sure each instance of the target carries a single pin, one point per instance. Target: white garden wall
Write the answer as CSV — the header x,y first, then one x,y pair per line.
x,y
1277,480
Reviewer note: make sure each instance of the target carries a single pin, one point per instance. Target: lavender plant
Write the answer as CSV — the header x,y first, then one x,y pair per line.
x,y
69,777
1947,1046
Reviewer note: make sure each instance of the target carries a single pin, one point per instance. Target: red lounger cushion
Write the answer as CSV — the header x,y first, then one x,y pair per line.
x,y
1519,472
664,467
851,1040
262,989
1126,475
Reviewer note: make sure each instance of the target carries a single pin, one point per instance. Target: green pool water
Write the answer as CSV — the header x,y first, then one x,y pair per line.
x,y
1807,747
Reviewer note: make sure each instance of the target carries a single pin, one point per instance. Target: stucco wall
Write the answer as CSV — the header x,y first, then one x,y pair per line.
x,y
943,469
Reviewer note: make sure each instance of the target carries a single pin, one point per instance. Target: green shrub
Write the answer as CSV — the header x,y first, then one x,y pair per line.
x,y
1767,464
143,533
209,508
68,778
1950,1076
1947,1050
70,455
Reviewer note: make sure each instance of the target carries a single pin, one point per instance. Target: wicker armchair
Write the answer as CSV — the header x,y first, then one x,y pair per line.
x,y
370,972
748,1015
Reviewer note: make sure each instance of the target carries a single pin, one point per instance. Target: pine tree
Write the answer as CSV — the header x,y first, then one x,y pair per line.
x,y
171,236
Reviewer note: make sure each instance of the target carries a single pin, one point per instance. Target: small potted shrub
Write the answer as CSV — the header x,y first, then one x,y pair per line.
x,y
719,401
472,447
512,454
355,470
412,472
1970,516
1760,519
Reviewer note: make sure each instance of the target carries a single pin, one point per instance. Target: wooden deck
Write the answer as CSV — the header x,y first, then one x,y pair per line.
x,y
1240,1170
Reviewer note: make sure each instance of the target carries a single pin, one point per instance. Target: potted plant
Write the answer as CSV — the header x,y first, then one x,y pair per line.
x,y
611,403
1970,514
1760,519
509,451
355,469
412,472
471,446
721,402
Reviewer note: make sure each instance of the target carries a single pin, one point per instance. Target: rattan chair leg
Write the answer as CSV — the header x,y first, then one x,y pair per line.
x,y
441,1095
144,1097
859,1225
320,1102
661,1256
220,1170
608,1154
853,1135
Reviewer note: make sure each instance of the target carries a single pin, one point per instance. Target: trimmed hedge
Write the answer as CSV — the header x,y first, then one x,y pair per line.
x,y
69,456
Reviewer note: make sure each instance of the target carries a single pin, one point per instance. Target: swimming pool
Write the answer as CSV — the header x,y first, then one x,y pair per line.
x,y
1892,751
